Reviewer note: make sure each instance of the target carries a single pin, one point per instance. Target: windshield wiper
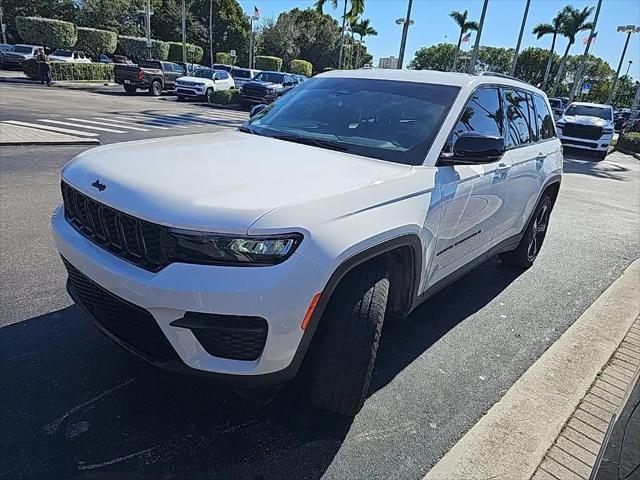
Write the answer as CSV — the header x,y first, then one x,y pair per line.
x,y
316,142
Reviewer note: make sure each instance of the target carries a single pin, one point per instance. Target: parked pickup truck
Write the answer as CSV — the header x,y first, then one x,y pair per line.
x,y
152,75
266,87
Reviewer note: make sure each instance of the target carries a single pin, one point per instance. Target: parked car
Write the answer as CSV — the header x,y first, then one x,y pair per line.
x,y
155,76
69,56
114,59
190,67
243,75
266,87
203,81
15,57
587,126
557,105
221,66
620,117
249,255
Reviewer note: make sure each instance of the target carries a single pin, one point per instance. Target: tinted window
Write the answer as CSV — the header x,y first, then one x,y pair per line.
x,y
589,111
203,73
545,118
240,73
518,119
270,77
23,49
482,114
223,75
555,103
384,119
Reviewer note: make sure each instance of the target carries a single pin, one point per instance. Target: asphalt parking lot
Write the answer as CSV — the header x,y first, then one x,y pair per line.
x,y
77,406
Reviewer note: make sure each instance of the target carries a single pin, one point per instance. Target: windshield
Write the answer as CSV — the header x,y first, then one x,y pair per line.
x,y
589,111
270,77
238,73
203,73
385,119
61,53
19,49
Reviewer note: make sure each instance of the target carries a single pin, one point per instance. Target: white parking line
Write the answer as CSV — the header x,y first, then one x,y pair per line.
x,y
129,122
52,129
106,124
100,129
145,120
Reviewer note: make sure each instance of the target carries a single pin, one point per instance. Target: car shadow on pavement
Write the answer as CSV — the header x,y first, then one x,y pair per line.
x,y
77,406
586,163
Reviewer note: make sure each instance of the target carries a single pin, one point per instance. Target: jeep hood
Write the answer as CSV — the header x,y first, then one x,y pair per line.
x,y
586,120
220,182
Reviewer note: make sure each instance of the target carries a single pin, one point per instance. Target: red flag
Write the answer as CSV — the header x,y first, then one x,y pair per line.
x,y
256,12
466,38
591,39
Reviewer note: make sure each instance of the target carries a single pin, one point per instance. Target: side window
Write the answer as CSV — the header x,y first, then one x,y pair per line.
x,y
518,120
217,76
545,118
224,75
166,66
482,114
535,126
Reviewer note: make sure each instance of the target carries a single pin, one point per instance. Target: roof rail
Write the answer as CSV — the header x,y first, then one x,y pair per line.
x,y
503,75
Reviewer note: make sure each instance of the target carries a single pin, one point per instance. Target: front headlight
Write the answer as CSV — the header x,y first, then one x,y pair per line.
x,y
202,247
607,130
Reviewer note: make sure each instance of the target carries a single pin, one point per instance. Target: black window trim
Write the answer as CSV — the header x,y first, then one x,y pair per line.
x,y
540,140
550,111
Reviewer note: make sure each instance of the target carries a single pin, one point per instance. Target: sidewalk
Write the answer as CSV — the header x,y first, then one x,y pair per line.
x,y
11,133
532,425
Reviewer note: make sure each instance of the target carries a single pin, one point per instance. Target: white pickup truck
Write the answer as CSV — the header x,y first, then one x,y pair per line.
x,y
250,255
587,126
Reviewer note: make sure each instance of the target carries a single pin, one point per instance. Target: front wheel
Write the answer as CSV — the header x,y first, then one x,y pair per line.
x,y
155,88
344,351
527,250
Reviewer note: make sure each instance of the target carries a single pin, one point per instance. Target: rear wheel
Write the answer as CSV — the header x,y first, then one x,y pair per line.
x,y
527,250
344,351
155,88
130,89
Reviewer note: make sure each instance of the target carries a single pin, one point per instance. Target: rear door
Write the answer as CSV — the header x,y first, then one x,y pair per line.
x,y
472,196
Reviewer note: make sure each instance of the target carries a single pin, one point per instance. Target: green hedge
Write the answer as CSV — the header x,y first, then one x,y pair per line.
x,y
224,97
136,47
71,71
224,58
301,67
95,42
175,52
630,142
264,62
47,32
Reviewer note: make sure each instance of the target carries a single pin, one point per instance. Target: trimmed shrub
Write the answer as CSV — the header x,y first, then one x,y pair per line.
x,y
47,32
630,142
224,58
301,67
136,47
95,42
224,97
194,52
71,71
264,62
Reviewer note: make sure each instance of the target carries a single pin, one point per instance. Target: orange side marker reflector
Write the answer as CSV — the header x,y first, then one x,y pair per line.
x,y
309,314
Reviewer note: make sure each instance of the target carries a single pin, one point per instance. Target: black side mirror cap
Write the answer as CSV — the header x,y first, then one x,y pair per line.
x,y
256,110
473,147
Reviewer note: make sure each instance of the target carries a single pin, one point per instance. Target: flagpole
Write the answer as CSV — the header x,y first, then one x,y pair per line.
x,y
572,93
250,42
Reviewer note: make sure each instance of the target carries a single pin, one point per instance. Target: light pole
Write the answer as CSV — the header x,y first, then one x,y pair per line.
x,y
626,75
211,32
184,32
628,29
515,54
476,47
2,25
578,77
405,22
251,19
342,32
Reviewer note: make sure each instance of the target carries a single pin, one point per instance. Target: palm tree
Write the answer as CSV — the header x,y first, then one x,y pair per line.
x,y
465,26
574,22
363,29
357,9
543,29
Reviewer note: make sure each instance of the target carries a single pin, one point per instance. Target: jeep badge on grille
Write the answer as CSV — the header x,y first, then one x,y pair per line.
x,y
98,185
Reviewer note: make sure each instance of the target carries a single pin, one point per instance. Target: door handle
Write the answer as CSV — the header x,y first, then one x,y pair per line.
x,y
502,167
541,156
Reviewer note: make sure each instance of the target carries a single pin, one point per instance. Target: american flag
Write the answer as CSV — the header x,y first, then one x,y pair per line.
x,y
466,38
590,39
256,12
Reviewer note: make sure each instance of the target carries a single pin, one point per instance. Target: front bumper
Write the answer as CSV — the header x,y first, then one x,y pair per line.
x,y
257,99
599,145
280,294
189,91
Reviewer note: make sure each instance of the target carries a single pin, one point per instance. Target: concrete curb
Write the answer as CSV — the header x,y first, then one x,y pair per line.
x,y
83,141
511,440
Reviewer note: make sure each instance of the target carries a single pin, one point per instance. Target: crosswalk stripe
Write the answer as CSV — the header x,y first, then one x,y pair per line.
x,y
147,120
129,123
107,124
100,129
51,129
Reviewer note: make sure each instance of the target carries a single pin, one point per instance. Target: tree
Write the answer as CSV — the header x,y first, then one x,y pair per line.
x,y
47,32
55,9
118,16
95,42
573,22
496,59
552,28
363,29
465,26
531,65
435,57
357,9
597,72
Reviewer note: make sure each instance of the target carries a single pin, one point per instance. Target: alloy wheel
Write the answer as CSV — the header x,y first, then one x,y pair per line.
x,y
537,233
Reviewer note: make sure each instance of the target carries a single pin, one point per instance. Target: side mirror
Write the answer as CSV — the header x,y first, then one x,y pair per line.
x,y
256,110
472,147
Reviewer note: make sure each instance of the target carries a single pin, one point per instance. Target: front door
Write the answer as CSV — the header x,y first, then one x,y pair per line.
x,y
473,197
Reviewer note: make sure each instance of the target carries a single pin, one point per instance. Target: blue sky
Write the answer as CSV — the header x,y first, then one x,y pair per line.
x,y
502,24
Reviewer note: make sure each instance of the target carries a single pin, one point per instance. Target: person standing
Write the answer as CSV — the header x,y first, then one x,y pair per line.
x,y
44,67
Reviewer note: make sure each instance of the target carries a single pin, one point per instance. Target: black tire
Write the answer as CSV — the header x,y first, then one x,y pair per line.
x,y
130,89
343,353
602,155
180,98
155,89
529,247
207,93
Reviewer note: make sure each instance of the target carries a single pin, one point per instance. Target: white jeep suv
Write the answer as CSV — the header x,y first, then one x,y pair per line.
x,y
249,255
587,126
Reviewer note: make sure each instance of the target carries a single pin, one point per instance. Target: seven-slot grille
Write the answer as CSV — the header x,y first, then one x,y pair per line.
x,y
138,241
589,132
132,325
